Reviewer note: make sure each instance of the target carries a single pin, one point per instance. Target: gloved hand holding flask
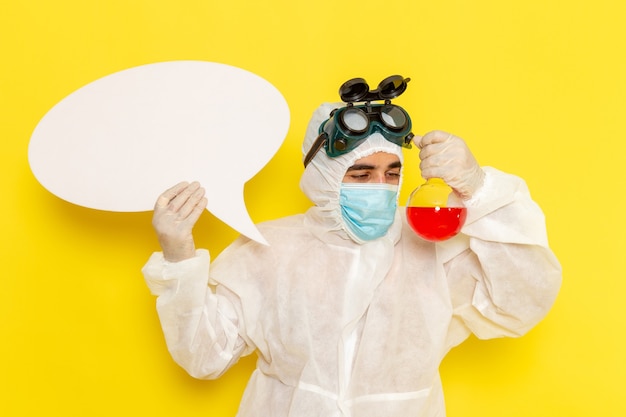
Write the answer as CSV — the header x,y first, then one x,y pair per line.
x,y
446,156
435,210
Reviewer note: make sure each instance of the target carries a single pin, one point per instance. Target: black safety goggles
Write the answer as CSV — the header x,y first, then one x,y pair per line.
x,y
348,127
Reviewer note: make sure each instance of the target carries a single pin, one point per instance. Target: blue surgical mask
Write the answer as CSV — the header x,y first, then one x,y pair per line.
x,y
368,209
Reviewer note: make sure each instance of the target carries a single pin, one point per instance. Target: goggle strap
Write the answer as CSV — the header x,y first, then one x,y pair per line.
x,y
317,145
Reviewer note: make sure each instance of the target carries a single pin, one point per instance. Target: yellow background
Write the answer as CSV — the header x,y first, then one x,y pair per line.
x,y
537,88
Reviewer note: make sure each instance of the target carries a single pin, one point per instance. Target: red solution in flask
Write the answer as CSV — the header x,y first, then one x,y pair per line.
x,y
436,223
434,212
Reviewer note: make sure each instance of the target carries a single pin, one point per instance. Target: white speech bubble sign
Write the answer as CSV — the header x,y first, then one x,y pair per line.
x,y
117,143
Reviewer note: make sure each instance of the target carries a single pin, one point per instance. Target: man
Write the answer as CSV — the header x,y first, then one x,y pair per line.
x,y
349,311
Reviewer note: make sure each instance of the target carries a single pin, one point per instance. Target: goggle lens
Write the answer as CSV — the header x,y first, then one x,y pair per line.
x,y
355,120
393,118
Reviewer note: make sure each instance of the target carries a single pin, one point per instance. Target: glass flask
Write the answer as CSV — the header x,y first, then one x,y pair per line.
x,y
434,211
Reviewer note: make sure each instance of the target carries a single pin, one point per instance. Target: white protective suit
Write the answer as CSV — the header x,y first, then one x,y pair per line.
x,y
349,329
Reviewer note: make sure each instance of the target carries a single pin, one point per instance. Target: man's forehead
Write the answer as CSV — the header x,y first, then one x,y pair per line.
x,y
378,159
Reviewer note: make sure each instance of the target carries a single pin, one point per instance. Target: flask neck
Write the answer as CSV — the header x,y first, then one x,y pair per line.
x,y
436,181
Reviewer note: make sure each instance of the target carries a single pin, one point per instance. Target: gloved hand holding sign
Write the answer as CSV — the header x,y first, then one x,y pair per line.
x,y
175,213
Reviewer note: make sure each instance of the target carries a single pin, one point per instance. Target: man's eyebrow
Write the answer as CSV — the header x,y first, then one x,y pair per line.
x,y
358,167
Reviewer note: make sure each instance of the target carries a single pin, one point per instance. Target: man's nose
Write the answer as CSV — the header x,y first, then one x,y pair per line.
x,y
379,177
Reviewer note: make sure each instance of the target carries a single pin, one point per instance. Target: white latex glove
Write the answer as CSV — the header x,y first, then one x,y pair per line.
x,y
446,156
175,213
